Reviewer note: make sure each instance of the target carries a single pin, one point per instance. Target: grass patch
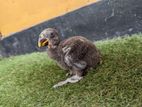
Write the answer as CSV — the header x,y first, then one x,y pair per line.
x,y
27,80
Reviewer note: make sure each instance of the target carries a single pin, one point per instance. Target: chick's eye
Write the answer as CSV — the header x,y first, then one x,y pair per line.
x,y
52,35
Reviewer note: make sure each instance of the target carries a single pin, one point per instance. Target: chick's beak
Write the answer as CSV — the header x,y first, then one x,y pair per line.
x,y
42,42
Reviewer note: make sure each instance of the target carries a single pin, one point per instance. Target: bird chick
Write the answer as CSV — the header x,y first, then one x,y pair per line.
x,y
75,54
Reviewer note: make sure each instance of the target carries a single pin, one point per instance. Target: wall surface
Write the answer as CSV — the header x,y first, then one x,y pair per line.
x,y
104,19
20,14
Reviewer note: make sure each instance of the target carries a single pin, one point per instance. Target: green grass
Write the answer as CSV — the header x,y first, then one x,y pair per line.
x,y
27,80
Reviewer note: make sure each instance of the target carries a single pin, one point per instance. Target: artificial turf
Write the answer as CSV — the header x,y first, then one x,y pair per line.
x,y
27,80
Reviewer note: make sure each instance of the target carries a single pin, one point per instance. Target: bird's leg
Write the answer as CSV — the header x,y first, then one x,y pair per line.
x,y
69,73
72,79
